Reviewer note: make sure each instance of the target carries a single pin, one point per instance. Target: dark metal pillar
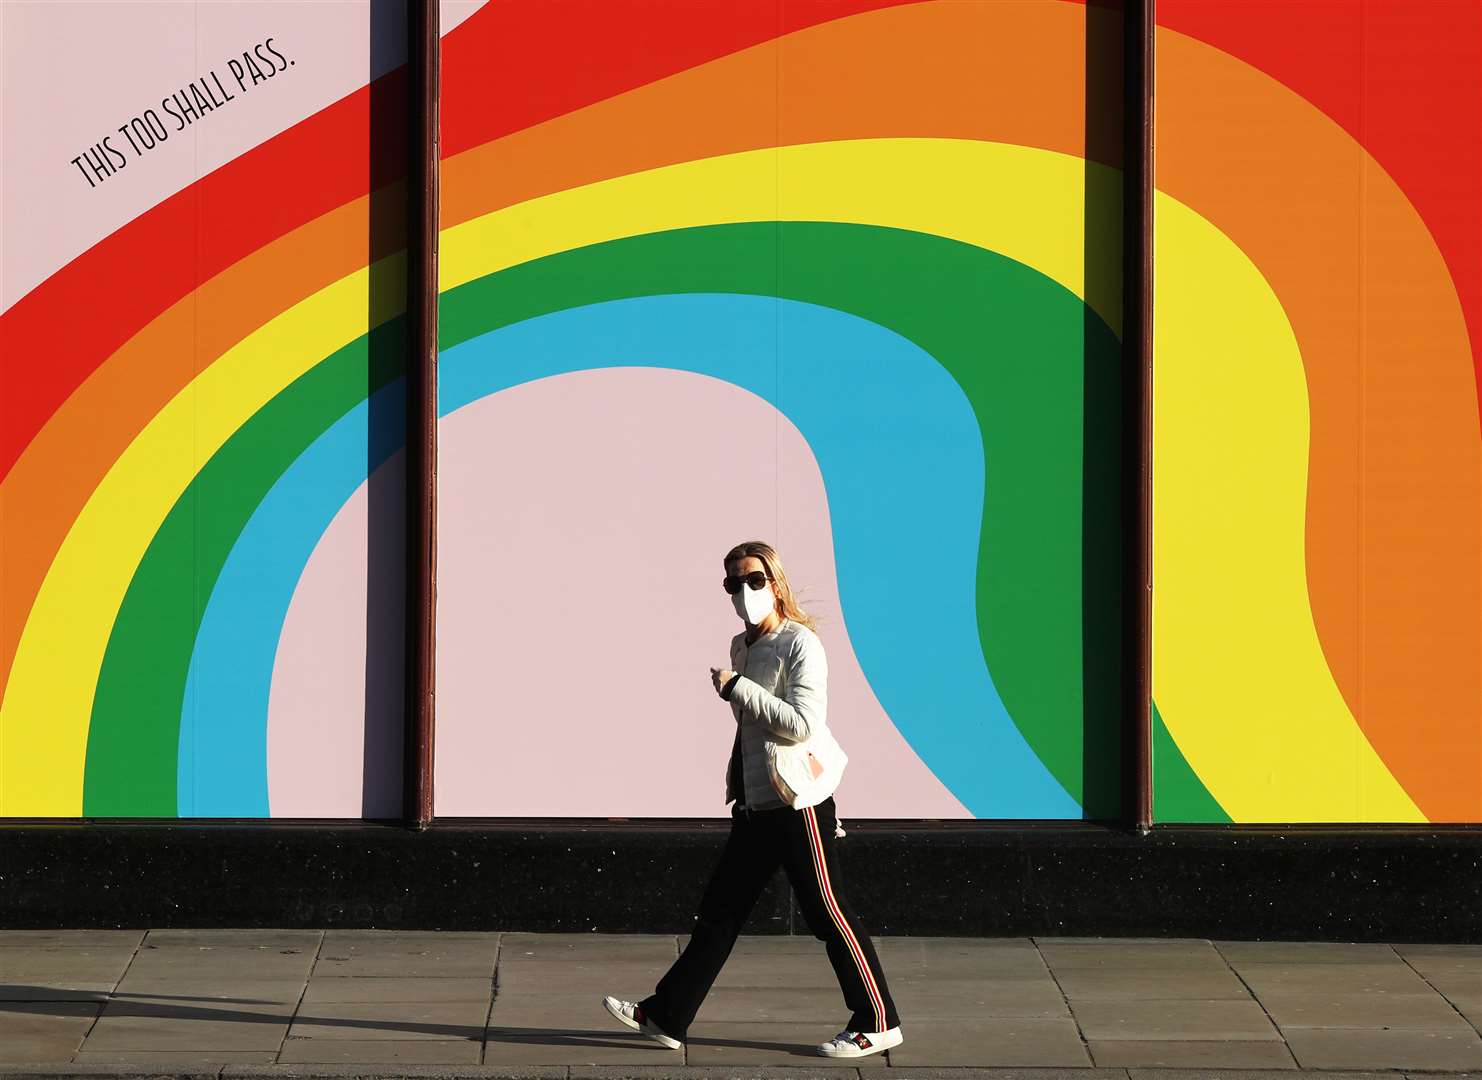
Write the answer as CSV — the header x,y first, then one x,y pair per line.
x,y
423,55
1141,28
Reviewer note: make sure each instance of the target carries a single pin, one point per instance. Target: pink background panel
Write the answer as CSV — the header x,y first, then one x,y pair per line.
x,y
72,71
582,520
337,700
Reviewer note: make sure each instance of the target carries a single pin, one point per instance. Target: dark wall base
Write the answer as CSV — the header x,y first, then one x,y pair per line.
x,y
1393,884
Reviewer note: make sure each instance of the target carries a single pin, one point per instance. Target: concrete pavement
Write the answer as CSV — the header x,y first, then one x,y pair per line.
x,y
529,1004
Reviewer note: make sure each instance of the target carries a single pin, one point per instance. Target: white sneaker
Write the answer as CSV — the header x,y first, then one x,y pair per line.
x,y
854,1044
629,1013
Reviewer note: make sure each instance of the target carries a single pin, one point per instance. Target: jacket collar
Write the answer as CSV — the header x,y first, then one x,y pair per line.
x,y
783,625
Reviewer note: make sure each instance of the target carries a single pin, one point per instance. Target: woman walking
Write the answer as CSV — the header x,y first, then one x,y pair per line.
x,y
783,770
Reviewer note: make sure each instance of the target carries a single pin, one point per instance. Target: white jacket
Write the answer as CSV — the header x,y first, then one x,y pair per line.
x,y
780,699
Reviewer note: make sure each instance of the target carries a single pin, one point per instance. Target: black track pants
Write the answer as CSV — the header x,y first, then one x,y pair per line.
x,y
802,842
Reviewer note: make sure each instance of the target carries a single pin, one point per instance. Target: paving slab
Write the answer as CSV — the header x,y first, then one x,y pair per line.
x,y
51,1031
914,973
1004,952
388,988
301,940
449,937
190,1029
906,941
56,990
577,972
180,961
1150,957
1211,964
1439,949
960,999
1110,984
1370,1048
46,966
1390,978
768,1043
994,1042
219,988
574,1046
1305,952
411,1071
622,979
562,964
553,1011
1456,961
381,1051
904,980
1429,1011
407,955
994,962
1248,1074
1193,1054
515,938
929,1072
1468,1005
1118,941
1103,957
614,946
66,1070
177,1059
71,939
718,1072
1180,1020
969,1000
353,1071
399,1020
657,954
188,1010
1454,986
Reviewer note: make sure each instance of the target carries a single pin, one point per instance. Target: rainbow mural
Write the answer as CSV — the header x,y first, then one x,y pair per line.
x,y
867,239
1317,612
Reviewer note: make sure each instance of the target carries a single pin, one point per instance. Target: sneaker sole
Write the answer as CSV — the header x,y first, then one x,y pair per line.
x,y
663,1040
877,1048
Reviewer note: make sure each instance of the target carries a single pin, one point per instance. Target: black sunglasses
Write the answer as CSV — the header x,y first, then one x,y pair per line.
x,y
756,579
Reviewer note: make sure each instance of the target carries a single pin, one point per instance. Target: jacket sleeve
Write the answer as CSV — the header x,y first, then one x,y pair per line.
x,y
801,709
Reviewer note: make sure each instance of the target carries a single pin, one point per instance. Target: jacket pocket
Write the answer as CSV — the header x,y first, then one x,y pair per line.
x,y
777,770
800,768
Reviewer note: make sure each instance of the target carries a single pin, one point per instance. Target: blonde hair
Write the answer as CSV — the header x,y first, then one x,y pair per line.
x,y
787,604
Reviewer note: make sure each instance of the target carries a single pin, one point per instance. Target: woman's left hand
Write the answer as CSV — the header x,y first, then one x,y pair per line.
x,y
720,676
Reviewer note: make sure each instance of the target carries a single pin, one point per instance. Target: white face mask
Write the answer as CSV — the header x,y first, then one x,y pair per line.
x,y
754,605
